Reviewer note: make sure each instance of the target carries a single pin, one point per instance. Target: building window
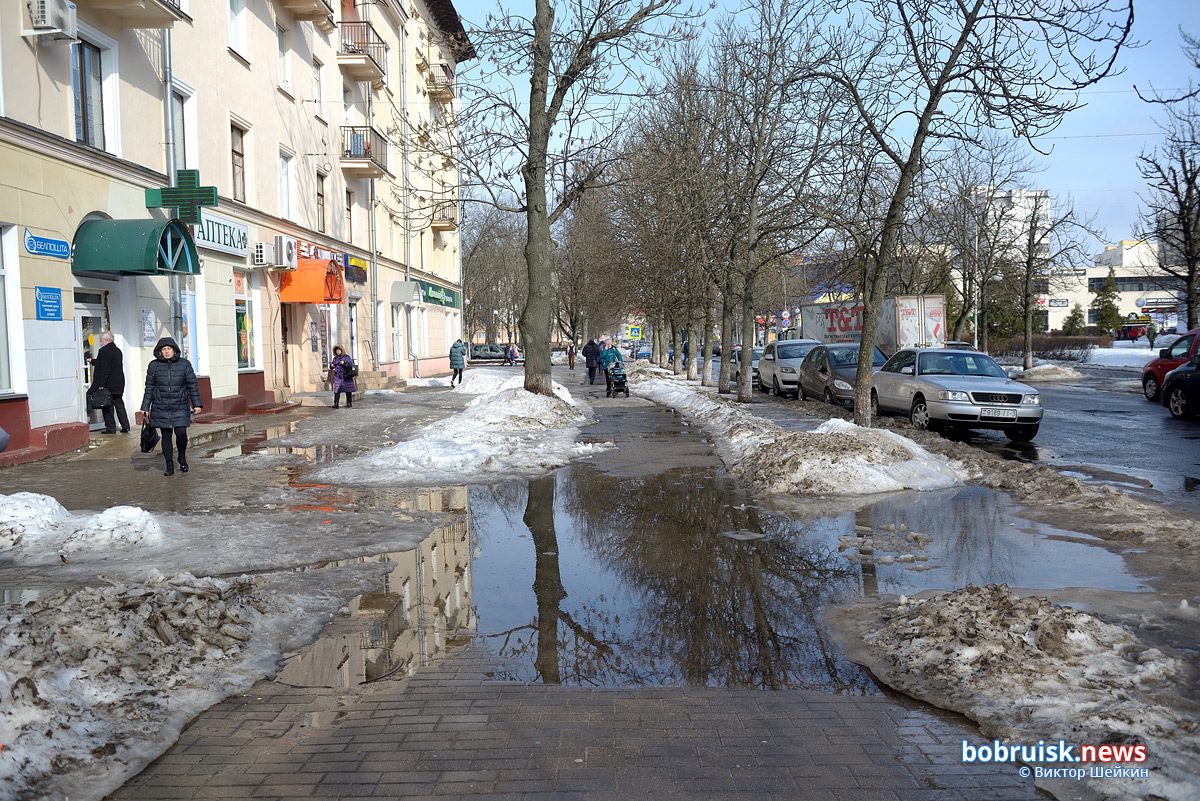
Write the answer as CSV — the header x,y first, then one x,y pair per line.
x,y
237,26
318,91
283,64
5,348
87,87
285,184
177,105
349,216
237,148
320,202
243,312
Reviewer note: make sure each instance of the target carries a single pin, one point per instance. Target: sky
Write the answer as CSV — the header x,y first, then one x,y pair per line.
x,y
1093,158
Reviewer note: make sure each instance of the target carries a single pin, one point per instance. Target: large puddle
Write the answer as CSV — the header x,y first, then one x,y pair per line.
x,y
677,578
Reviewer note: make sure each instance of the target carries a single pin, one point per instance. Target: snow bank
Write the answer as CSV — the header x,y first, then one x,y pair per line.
x,y
837,458
97,682
505,432
32,523
1027,670
1048,372
1128,354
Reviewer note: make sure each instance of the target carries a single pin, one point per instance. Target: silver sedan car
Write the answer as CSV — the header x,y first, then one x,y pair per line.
x,y
954,388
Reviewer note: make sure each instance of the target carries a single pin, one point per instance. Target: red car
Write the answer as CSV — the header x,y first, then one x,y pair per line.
x,y
1168,359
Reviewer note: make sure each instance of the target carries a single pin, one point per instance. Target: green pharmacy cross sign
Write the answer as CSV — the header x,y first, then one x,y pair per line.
x,y
187,196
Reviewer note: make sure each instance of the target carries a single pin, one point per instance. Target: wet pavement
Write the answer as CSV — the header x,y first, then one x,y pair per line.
x,y
630,626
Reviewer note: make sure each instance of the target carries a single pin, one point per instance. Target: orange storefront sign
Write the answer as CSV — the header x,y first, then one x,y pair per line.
x,y
313,281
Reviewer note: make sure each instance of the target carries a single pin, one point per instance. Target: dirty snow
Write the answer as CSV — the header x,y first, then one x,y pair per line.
x,y
32,523
1048,372
837,458
1027,670
1129,354
98,681
503,433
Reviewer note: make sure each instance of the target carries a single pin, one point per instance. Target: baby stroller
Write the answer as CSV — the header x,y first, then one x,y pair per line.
x,y
616,380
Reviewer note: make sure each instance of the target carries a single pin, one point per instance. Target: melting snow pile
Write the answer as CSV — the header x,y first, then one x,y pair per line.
x,y
1048,372
837,458
32,525
96,682
1028,670
504,432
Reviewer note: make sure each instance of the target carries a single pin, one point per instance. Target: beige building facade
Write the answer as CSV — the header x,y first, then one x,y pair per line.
x,y
315,122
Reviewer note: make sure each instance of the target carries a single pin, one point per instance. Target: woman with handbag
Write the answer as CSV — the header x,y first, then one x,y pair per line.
x,y
342,372
172,395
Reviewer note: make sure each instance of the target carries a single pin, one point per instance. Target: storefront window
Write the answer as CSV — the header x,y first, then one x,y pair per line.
x,y
244,317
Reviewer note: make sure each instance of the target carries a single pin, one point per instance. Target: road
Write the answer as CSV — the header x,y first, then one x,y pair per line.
x,y
1103,430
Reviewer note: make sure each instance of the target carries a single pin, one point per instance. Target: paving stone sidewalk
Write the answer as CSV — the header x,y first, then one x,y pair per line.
x,y
450,732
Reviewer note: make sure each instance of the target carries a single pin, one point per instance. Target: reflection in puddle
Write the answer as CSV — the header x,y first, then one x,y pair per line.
x,y
586,578
422,608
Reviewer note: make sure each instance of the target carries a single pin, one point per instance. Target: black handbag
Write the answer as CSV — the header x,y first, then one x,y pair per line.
x,y
350,370
150,435
99,399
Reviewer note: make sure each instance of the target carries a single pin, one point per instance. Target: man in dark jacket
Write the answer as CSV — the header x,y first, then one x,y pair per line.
x,y
108,372
591,355
172,395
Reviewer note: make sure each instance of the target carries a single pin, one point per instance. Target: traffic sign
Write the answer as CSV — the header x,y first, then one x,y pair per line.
x,y
635,332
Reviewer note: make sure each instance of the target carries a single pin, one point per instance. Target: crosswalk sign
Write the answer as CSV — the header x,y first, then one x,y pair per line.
x,y
635,332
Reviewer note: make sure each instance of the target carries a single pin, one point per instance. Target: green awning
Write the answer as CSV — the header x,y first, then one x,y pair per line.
x,y
135,247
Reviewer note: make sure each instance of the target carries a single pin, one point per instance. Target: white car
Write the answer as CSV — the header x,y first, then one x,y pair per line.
x,y
779,365
955,388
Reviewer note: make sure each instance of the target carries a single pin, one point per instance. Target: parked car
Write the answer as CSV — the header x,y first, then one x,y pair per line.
x,y
828,372
955,344
938,387
779,365
1181,389
492,353
643,352
735,365
1170,357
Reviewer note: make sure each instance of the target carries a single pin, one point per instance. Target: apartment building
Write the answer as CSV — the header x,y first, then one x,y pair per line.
x,y
302,193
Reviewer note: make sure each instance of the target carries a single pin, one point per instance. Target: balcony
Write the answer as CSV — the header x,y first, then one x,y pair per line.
x,y
318,12
440,82
445,216
139,13
364,152
361,54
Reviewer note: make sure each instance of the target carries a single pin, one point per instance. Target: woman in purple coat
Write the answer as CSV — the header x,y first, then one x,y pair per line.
x,y
342,372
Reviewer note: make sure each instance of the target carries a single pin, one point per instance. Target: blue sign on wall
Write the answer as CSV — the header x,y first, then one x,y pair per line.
x,y
49,303
44,246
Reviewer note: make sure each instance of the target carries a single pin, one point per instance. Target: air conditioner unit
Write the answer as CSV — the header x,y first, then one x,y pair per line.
x,y
53,19
264,254
285,252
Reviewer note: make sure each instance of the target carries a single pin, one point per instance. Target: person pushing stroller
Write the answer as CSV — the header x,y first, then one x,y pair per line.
x,y
611,363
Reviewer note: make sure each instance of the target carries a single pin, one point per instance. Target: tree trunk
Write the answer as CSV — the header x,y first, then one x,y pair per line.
x,y
693,348
981,320
706,377
535,320
677,346
723,386
745,392
1027,311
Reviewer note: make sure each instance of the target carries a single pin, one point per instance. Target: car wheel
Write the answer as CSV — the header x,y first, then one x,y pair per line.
x,y
1022,434
800,393
919,415
1150,387
775,387
1177,403
829,397
874,405
761,386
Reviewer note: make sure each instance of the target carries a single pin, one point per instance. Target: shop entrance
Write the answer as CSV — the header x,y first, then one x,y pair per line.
x,y
91,315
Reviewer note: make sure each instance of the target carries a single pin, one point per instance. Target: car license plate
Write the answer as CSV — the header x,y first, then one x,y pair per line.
x,y
999,414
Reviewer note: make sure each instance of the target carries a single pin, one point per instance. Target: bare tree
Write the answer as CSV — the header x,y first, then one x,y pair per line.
x,y
493,280
549,147
1171,213
919,74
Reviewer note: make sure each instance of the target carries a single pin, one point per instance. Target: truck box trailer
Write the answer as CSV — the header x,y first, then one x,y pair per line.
x,y
905,321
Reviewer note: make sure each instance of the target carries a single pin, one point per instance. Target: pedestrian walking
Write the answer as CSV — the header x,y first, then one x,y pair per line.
x,y
342,373
509,355
172,396
108,372
591,358
571,356
608,357
1151,334
458,360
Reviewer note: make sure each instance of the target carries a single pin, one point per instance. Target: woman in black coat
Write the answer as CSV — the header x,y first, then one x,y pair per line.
x,y
172,395
591,355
